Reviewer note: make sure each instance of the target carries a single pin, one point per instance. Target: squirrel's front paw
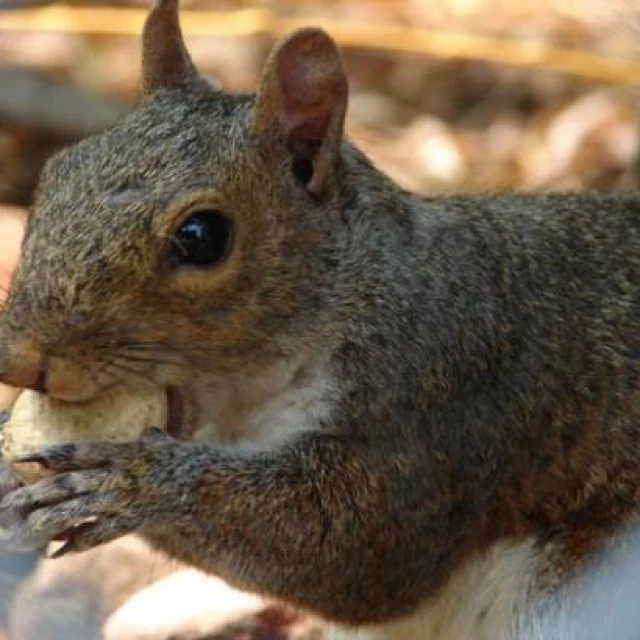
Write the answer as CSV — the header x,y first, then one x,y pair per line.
x,y
96,493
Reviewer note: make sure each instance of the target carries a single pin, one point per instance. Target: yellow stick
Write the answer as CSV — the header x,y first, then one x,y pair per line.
x,y
248,22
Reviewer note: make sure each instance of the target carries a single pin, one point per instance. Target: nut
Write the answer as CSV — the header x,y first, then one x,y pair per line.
x,y
38,421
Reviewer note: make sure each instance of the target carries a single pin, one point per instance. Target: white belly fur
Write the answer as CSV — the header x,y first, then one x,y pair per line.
x,y
486,599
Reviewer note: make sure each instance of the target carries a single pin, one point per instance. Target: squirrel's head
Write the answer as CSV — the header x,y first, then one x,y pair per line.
x,y
200,234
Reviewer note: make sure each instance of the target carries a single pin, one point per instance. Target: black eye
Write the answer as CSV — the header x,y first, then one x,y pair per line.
x,y
202,240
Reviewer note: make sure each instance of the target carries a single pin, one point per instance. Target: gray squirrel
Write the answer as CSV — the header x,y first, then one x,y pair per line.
x,y
418,418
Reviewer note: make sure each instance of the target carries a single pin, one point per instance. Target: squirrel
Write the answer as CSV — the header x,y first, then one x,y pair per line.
x,y
413,417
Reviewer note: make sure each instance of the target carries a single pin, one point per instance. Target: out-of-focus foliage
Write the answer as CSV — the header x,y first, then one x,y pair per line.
x,y
434,122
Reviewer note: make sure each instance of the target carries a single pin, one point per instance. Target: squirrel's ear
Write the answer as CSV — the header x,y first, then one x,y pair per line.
x,y
166,63
303,99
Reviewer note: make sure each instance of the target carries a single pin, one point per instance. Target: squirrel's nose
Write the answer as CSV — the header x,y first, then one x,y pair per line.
x,y
24,366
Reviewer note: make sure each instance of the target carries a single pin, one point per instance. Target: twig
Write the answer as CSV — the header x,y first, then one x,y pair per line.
x,y
248,22
128,21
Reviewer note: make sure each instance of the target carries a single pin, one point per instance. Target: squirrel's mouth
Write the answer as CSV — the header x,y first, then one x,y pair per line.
x,y
183,413
175,412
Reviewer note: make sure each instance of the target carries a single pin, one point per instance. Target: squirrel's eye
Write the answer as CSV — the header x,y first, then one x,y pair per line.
x,y
202,240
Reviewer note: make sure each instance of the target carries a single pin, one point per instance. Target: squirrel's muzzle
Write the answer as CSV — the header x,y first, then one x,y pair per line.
x,y
24,365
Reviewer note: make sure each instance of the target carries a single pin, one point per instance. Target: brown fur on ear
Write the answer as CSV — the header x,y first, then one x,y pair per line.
x,y
303,97
166,62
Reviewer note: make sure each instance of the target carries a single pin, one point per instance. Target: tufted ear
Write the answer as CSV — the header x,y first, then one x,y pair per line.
x,y
303,99
166,63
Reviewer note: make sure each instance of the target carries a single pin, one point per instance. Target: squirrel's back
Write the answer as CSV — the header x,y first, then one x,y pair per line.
x,y
506,340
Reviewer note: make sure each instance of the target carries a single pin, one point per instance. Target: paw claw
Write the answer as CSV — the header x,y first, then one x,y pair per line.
x,y
87,535
29,458
61,551
56,458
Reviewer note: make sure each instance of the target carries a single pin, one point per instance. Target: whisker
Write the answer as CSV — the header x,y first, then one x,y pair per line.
x,y
165,356
116,363
151,347
147,359
159,347
170,354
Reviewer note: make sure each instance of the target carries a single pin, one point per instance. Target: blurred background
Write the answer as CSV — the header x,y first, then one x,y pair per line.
x,y
446,96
